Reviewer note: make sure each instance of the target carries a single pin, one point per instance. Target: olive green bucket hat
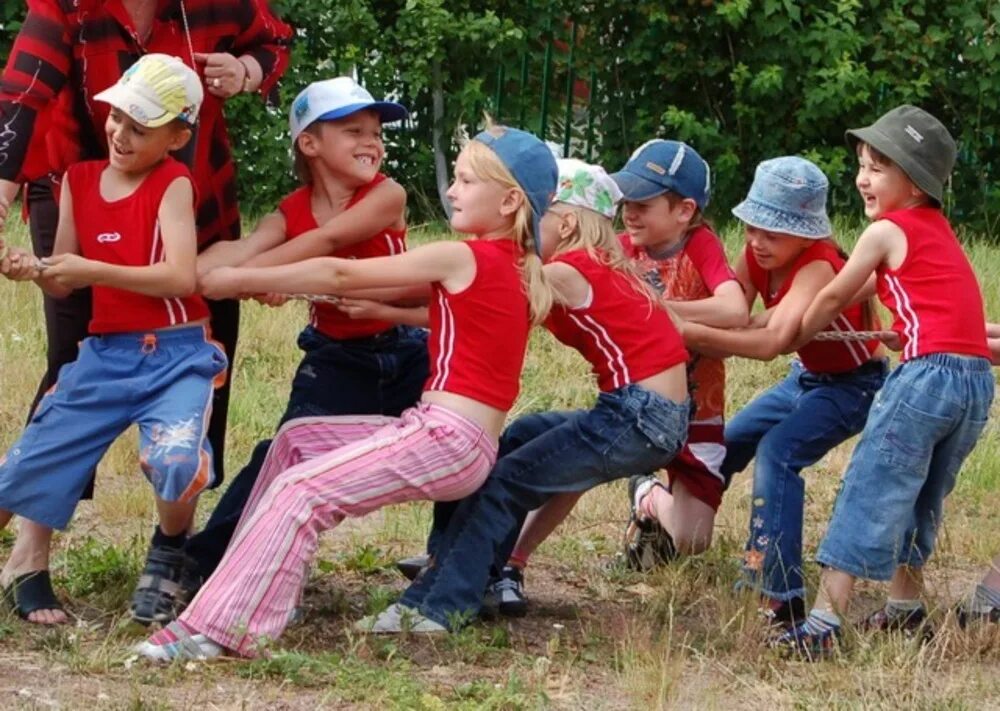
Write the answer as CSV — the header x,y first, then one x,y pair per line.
x,y
915,141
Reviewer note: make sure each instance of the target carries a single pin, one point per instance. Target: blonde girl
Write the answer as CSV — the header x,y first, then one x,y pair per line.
x,y
319,471
638,423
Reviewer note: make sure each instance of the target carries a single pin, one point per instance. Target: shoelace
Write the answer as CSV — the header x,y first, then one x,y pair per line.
x,y
505,584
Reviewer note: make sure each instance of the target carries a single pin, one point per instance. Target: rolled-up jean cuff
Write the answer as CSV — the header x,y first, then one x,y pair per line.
x,y
865,572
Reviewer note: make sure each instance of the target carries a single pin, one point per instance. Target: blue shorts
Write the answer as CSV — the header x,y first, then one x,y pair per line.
x,y
161,381
923,424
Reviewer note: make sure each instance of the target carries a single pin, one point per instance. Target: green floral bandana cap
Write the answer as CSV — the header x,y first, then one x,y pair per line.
x,y
587,186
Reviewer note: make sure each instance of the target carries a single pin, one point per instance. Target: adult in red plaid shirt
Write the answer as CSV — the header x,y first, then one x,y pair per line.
x,y
64,54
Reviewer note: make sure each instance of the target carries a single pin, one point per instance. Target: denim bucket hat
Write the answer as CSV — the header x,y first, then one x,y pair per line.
x,y
915,141
533,166
788,195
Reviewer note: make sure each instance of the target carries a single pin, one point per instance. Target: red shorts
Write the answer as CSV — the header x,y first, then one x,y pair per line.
x,y
698,464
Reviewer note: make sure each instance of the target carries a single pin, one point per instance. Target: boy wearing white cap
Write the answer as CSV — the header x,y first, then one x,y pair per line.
x,y
127,229
355,361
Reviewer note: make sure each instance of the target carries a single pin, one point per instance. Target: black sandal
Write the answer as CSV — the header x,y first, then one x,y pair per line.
x,y
161,594
31,592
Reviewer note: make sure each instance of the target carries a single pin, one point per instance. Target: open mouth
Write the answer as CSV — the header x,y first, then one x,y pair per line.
x,y
367,161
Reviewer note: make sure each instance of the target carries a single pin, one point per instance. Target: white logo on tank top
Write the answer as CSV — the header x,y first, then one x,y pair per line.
x,y
105,237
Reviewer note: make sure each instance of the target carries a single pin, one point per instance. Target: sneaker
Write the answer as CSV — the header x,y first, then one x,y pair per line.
x,y
508,593
175,641
912,624
396,619
968,618
647,544
798,641
783,613
414,565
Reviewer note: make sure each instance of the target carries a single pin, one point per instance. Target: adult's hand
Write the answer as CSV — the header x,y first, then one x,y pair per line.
x,y
224,74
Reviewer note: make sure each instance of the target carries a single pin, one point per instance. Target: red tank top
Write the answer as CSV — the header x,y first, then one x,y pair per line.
x,y
299,218
479,335
623,336
126,232
934,297
820,356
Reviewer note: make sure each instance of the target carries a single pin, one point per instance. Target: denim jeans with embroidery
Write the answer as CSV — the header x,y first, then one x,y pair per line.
x,y
790,427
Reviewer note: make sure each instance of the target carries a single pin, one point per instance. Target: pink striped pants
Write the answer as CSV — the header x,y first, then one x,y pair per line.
x,y
317,472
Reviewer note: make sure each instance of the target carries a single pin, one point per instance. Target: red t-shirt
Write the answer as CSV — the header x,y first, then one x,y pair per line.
x,y
127,232
934,296
622,334
820,356
692,270
325,317
480,334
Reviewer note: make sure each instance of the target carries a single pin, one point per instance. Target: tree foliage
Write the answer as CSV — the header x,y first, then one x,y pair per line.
x,y
741,80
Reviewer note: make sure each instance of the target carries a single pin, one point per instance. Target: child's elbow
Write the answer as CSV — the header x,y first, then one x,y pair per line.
x,y
738,317
183,287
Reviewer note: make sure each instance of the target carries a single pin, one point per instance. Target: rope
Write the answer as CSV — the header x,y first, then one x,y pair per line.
x,y
852,335
324,298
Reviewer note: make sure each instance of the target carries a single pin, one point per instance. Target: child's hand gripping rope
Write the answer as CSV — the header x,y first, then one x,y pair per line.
x,y
19,265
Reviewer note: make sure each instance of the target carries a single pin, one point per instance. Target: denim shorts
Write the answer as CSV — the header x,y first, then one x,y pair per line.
x,y
923,424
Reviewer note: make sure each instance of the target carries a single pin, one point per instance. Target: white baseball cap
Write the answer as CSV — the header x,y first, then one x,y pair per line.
x,y
336,98
156,90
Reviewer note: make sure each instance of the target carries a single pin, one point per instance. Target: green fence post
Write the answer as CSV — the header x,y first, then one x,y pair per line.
x,y
498,96
546,73
524,89
570,78
590,114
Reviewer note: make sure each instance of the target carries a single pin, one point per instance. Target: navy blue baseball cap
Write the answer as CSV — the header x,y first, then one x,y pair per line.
x,y
658,166
531,163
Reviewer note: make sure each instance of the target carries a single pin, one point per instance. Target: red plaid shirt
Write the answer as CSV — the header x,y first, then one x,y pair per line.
x,y
69,50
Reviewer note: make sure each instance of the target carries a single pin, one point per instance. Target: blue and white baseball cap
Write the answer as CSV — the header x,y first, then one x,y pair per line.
x,y
336,98
660,166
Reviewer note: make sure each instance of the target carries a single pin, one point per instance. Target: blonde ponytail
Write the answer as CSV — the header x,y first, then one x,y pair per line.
x,y
487,166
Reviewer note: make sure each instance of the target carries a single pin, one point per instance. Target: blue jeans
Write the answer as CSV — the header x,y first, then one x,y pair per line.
x,y
788,428
923,425
629,430
383,374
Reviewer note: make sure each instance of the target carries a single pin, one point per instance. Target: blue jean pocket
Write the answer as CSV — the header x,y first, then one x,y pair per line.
x,y
665,423
910,437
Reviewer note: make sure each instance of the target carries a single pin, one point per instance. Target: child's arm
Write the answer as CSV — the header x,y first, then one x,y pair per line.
x,y
781,329
993,341
171,278
268,234
450,263
569,287
725,308
381,209
405,315
882,241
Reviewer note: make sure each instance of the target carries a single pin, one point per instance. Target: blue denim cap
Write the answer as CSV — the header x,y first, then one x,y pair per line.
x,y
531,163
788,195
660,166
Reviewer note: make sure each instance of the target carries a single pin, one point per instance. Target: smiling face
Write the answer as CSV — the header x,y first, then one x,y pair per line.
x,y
774,250
659,221
136,149
883,185
350,148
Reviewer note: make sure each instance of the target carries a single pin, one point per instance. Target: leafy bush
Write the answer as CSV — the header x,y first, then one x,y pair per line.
x,y
741,80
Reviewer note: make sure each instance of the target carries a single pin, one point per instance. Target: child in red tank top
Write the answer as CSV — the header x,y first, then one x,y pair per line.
x,y
320,470
605,311
345,208
825,398
934,405
126,228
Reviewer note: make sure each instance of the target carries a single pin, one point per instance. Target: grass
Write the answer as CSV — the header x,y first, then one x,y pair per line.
x,y
679,638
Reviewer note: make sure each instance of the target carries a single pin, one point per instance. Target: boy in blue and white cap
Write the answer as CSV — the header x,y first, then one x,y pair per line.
x,y
353,364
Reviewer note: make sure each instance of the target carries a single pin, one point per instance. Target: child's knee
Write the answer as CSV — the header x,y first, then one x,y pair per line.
x,y
178,475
